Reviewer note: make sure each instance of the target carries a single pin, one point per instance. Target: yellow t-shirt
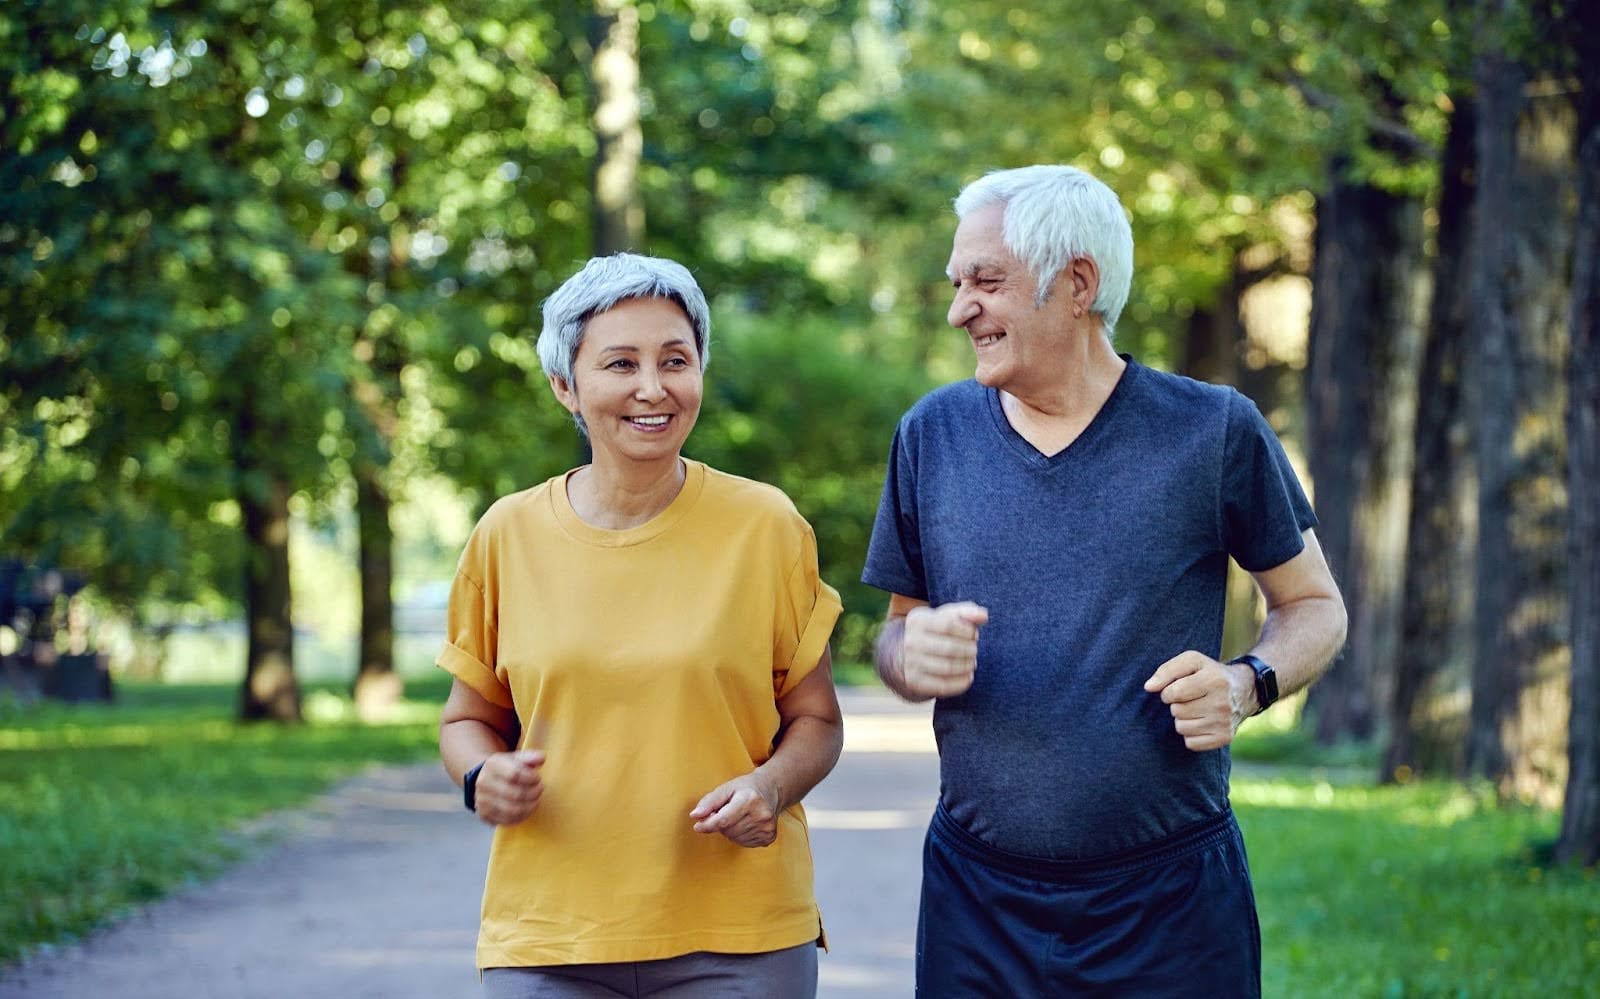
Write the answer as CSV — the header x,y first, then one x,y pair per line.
x,y
645,663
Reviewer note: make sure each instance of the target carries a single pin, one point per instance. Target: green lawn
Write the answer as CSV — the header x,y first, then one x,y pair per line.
x,y
105,806
1422,890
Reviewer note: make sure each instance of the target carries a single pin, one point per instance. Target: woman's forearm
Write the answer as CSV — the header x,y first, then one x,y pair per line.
x,y
806,752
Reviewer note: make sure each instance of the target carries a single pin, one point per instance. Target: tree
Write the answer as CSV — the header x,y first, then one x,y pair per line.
x,y
1518,260
614,76
1580,822
1433,654
1360,387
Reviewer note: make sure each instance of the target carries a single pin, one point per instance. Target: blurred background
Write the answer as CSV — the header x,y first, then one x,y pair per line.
x,y
270,275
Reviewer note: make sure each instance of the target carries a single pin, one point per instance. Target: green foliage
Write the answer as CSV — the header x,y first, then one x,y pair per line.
x,y
788,403
106,806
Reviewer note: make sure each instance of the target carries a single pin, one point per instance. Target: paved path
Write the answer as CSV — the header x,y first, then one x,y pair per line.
x,y
374,891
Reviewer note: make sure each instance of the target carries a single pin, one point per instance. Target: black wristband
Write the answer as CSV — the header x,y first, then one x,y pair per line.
x,y
1266,680
469,788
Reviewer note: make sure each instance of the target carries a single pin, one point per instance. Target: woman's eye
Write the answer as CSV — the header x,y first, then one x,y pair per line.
x,y
620,365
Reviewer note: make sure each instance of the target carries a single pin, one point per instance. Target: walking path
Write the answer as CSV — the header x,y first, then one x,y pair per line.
x,y
373,890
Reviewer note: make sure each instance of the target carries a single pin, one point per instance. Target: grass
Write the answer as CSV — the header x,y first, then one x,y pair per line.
x,y
1423,890
106,806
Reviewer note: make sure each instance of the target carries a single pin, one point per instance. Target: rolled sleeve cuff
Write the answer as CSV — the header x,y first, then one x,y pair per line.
x,y
466,667
814,638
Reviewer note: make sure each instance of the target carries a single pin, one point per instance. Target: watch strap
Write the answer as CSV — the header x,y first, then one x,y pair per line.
x,y
1266,680
469,788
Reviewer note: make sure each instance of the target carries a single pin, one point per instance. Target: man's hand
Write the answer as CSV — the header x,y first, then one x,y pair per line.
x,y
1208,699
744,809
509,787
939,652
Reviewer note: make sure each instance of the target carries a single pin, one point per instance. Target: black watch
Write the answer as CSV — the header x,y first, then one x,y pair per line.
x,y
469,788
1266,681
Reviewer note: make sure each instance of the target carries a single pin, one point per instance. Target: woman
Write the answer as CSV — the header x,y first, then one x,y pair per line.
x,y
643,690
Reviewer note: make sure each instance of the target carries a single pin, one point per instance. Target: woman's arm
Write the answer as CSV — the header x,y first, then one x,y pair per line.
x,y
810,736
474,730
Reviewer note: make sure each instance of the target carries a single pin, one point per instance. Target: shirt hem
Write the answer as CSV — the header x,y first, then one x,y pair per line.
x,y
652,948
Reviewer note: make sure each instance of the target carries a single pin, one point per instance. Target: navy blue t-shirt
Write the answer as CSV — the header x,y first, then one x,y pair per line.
x,y
1096,564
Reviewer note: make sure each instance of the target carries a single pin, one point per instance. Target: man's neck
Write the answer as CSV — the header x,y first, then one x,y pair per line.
x,y
1052,416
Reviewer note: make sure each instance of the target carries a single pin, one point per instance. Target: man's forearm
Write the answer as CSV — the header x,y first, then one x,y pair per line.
x,y
1300,639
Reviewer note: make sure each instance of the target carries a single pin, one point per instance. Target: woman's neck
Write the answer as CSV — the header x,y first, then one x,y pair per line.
x,y
606,496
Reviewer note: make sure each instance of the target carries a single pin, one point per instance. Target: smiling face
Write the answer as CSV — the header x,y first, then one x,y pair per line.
x,y
1019,342
636,381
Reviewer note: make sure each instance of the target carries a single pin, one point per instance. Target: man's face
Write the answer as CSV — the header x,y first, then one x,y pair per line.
x,y
1019,344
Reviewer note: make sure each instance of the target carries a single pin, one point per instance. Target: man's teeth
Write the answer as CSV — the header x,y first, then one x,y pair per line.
x,y
650,421
984,341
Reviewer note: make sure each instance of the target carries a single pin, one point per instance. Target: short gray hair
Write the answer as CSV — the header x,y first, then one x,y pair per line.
x,y
602,284
1055,214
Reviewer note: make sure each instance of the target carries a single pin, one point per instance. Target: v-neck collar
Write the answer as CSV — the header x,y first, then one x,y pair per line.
x,y
1035,458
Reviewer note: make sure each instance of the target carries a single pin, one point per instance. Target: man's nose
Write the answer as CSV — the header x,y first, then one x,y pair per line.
x,y
962,310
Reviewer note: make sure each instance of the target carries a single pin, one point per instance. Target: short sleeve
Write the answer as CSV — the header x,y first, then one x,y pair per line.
x,y
1264,509
808,610
894,555
471,628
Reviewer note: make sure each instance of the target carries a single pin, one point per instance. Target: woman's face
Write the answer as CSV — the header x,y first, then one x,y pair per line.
x,y
636,381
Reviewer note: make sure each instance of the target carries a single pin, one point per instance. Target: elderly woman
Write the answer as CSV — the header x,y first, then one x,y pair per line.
x,y
643,691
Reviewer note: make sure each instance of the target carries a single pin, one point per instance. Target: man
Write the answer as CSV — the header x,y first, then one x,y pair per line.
x,y
1055,537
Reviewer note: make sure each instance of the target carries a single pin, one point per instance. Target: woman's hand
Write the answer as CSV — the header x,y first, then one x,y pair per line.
x,y
744,809
509,787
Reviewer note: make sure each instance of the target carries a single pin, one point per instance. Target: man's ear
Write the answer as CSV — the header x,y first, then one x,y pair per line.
x,y
1084,275
564,393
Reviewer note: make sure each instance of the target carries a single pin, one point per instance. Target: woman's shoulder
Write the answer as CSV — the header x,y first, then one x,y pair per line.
x,y
517,510
746,497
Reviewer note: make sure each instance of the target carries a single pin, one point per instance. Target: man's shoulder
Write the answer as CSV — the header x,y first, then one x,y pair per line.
x,y
1182,392
957,400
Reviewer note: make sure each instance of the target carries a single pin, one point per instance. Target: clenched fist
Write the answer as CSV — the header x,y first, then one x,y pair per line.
x,y
939,651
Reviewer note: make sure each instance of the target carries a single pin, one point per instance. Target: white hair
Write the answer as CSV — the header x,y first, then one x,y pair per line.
x,y
602,284
1054,214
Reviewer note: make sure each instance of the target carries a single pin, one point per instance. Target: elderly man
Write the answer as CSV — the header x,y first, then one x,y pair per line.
x,y
1055,536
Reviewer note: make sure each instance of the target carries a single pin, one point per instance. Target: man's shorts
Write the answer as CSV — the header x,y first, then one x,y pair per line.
x,y
1174,918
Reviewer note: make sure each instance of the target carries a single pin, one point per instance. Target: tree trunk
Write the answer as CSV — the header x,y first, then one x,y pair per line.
x,y
1427,717
270,691
1213,333
619,142
1580,819
377,687
376,390
1520,255
1361,382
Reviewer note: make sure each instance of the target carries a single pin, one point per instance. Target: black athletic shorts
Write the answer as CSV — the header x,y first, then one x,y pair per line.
x,y
1174,918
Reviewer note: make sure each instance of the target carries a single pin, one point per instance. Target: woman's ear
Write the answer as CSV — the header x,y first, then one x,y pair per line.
x,y
564,393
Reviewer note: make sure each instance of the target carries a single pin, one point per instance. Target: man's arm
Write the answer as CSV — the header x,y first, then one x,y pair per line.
x,y
1304,629
926,652
1306,620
